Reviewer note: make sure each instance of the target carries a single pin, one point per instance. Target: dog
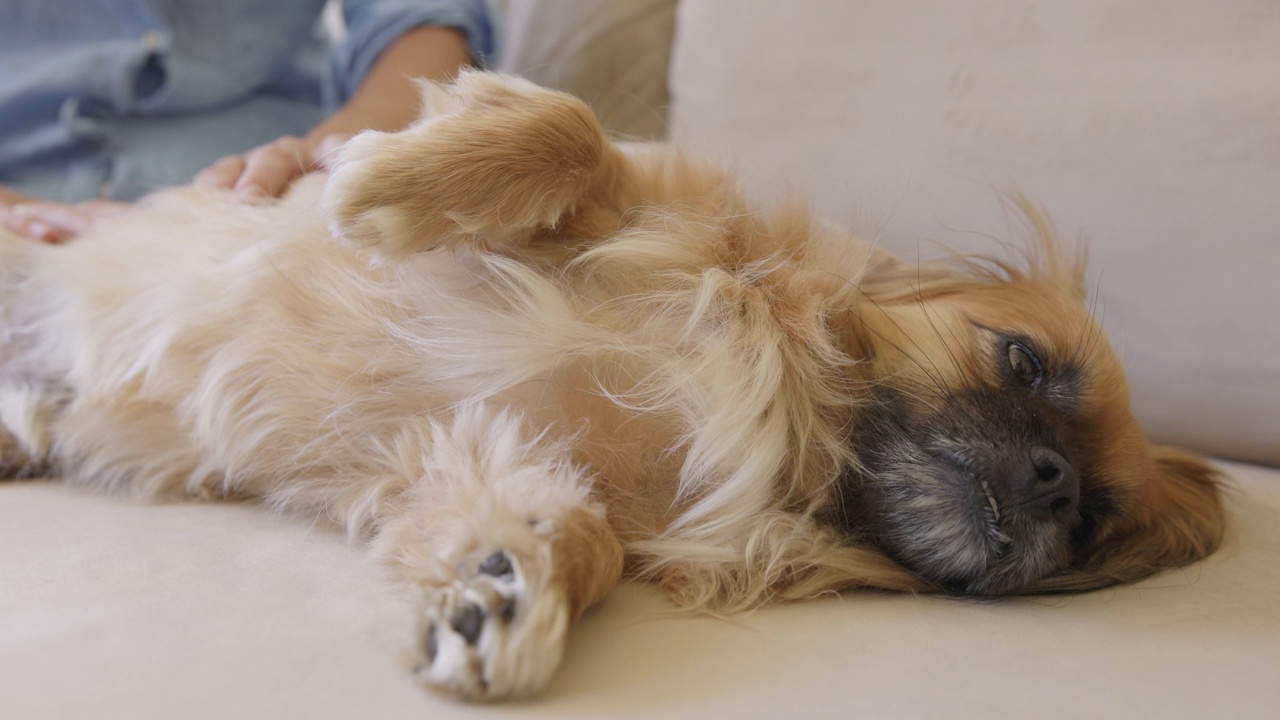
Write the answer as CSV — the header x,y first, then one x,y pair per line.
x,y
525,361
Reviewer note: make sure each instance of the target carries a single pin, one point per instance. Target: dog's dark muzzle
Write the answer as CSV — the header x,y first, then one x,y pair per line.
x,y
1036,483
974,494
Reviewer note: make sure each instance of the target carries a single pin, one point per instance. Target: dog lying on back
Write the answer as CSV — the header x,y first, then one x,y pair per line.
x,y
526,361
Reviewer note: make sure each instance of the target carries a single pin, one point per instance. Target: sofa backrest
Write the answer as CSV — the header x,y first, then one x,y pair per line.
x,y
612,53
1150,128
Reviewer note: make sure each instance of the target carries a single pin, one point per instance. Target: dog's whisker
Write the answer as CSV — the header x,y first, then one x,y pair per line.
x,y
1083,351
925,307
935,378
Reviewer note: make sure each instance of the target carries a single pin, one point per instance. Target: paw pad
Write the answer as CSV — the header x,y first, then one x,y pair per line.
x,y
468,621
493,629
498,565
433,643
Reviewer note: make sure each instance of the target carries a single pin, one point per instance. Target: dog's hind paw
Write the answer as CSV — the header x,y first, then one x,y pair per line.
x,y
493,160
496,631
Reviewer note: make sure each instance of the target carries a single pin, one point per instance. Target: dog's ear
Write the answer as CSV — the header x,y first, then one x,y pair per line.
x,y
1176,518
492,156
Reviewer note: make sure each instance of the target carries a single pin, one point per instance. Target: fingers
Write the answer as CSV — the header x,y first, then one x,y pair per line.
x,y
29,220
264,172
27,227
56,222
221,174
64,219
270,168
19,222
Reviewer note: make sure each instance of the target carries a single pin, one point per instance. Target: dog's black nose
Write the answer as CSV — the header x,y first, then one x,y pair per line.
x,y
1051,490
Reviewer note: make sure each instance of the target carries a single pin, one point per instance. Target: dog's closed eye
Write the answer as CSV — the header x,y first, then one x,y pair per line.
x,y
1023,364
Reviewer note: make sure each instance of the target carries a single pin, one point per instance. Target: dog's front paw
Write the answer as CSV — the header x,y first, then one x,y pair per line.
x,y
496,631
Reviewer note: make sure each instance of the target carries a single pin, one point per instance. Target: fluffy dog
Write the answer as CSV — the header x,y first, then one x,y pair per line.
x,y
525,360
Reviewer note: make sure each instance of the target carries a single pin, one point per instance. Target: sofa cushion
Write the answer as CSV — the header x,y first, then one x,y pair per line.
x,y
110,609
1151,130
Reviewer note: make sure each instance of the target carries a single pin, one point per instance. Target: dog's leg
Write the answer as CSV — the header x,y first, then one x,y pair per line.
x,y
501,539
494,160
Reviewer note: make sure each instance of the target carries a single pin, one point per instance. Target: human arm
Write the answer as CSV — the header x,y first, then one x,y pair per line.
x,y
387,99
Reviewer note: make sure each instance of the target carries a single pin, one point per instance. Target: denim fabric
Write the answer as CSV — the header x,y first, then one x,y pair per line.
x,y
114,98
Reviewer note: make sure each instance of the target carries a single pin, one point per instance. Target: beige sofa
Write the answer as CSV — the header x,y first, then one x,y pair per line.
x,y
1150,126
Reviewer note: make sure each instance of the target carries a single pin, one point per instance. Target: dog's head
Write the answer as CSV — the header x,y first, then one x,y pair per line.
x,y
997,452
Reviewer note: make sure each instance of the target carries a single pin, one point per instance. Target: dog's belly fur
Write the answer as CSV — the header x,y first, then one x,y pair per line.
x,y
219,350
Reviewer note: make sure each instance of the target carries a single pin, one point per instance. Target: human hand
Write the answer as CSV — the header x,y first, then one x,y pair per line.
x,y
387,101
267,170
51,222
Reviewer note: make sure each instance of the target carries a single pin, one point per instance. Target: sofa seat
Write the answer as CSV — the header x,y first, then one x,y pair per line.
x,y
114,609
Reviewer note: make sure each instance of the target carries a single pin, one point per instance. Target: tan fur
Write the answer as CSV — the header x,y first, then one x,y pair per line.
x,y
611,351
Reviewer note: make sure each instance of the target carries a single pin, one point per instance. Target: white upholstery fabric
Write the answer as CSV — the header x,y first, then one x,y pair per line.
x,y
1149,127
115,610
612,53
